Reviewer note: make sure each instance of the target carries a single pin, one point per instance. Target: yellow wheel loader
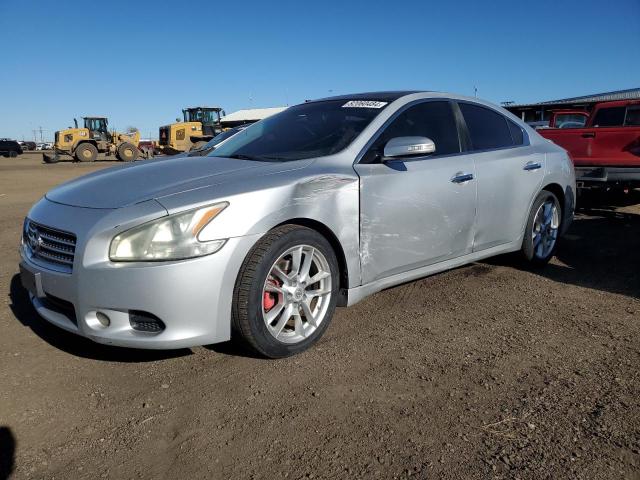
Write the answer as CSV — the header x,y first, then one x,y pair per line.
x,y
199,125
84,144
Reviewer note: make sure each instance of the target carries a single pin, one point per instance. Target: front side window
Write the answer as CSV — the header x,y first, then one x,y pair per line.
x,y
609,117
570,120
434,120
314,129
487,128
633,116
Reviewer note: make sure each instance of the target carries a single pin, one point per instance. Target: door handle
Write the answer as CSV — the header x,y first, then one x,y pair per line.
x,y
532,166
589,135
462,177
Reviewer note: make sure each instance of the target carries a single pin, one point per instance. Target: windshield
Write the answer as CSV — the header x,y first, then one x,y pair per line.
x,y
200,115
95,124
304,131
221,137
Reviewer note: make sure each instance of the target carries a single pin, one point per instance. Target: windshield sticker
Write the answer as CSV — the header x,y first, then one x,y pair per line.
x,y
364,104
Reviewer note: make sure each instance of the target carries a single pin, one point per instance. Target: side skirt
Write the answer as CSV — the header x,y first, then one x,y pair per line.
x,y
354,295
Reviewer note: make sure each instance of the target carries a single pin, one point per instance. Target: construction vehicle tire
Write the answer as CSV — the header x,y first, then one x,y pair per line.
x,y
127,152
86,152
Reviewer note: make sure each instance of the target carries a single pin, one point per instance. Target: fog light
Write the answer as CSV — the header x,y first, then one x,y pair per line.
x,y
103,319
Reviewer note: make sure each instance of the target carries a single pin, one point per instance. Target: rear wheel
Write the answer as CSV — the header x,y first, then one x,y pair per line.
x,y
286,291
86,152
127,152
542,230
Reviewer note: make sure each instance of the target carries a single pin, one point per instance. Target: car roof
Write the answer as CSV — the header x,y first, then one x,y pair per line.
x,y
388,96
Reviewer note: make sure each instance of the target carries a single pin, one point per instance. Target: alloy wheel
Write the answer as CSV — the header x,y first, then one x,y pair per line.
x,y
545,228
296,294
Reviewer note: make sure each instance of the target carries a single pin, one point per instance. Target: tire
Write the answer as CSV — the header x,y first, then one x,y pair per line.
x,y
127,152
253,305
86,152
543,228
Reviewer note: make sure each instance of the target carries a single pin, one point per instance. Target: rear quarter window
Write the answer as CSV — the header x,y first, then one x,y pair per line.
x,y
487,128
517,134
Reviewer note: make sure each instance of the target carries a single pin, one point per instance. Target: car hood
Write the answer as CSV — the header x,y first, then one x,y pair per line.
x,y
153,179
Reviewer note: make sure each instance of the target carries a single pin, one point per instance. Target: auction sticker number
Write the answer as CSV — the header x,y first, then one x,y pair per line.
x,y
364,104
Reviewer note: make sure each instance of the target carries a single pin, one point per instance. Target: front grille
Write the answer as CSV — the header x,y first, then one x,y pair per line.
x,y
48,244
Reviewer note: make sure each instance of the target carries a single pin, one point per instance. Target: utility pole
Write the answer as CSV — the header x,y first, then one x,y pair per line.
x,y
41,140
35,137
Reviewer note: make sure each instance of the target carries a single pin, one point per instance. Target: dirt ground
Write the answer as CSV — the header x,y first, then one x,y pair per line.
x,y
487,371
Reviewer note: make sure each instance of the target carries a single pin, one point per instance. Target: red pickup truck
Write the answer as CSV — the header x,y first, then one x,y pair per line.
x,y
604,145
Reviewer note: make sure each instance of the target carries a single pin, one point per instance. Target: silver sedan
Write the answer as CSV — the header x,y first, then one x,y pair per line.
x,y
316,207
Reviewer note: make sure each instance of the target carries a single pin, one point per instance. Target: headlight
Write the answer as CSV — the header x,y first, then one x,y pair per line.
x,y
170,238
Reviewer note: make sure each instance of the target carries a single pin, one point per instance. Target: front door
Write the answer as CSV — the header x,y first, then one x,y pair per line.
x,y
416,211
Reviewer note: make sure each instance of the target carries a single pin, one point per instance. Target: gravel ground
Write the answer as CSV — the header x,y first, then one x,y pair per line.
x,y
486,371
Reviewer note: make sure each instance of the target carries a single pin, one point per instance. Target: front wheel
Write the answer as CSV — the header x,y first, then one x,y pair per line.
x,y
286,291
127,152
542,230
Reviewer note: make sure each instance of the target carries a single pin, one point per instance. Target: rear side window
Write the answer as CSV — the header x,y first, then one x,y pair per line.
x,y
609,117
487,128
516,133
633,116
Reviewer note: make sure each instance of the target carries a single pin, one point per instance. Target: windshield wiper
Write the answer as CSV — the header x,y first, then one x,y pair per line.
x,y
201,152
241,156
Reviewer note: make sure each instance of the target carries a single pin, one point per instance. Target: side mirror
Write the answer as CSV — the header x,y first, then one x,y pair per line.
x,y
408,147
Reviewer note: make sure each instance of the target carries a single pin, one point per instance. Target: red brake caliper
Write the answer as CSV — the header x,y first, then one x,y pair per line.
x,y
270,298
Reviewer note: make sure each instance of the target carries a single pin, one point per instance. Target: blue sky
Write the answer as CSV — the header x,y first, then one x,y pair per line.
x,y
140,62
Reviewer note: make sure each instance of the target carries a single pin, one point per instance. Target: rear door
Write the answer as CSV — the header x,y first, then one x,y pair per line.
x,y
508,172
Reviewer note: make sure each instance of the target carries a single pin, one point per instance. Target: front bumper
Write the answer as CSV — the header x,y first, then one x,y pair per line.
x,y
191,297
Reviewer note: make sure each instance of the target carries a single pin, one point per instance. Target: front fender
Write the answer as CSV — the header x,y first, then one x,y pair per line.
x,y
327,197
